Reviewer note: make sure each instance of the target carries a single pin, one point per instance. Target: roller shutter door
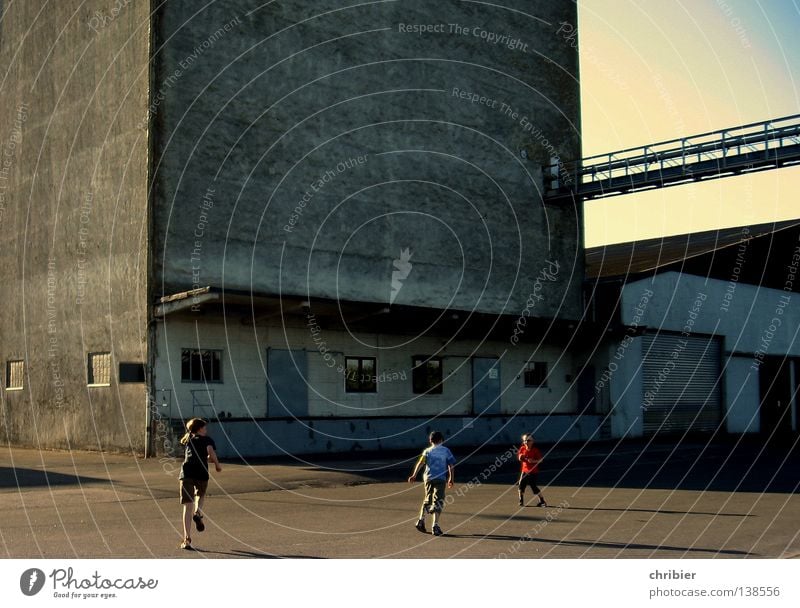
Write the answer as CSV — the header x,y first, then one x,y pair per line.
x,y
681,388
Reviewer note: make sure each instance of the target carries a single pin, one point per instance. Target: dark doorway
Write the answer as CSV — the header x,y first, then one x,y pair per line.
x,y
776,398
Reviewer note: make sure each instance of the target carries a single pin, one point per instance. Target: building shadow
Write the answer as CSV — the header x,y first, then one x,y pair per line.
x,y
697,464
659,511
602,544
740,466
251,554
11,477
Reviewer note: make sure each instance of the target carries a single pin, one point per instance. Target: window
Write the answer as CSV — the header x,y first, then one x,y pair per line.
x,y
536,373
426,375
15,370
201,365
360,375
99,369
131,372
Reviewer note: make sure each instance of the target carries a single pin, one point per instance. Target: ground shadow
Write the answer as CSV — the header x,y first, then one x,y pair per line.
x,y
601,544
252,554
659,511
29,478
742,466
699,464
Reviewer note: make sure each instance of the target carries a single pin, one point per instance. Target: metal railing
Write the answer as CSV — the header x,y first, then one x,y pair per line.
x,y
752,147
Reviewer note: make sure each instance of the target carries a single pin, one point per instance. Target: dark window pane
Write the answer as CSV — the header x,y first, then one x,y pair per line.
x,y
536,374
216,375
201,365
426,375
360,375
368,379
208,372
186,373
133,372
368,367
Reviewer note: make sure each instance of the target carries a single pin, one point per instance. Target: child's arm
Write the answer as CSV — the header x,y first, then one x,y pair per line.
x,y
212,456
451,473
417,467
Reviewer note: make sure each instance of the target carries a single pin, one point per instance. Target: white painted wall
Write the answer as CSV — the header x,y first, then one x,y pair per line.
x,y
745,320
243,391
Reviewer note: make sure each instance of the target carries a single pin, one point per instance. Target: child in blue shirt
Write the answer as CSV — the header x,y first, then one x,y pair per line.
x,y
439,471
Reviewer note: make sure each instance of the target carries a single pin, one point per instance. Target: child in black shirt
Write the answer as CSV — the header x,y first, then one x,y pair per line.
x,y
194,476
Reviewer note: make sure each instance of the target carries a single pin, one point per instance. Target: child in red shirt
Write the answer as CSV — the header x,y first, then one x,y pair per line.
x,y
530,457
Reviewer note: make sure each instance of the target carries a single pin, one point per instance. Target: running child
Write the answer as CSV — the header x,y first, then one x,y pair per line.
x,y
439,462
530,457
194,476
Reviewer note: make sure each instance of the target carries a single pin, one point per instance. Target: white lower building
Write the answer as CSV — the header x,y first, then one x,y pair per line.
x,y
703,354
303,386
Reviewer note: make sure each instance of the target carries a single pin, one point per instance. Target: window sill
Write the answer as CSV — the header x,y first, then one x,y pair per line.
x,y
97,385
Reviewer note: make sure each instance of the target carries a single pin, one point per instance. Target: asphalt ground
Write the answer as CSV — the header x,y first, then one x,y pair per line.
x,y
610,500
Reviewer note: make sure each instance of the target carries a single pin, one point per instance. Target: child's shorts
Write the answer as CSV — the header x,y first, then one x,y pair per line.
x,y
528,479
434,495
191,488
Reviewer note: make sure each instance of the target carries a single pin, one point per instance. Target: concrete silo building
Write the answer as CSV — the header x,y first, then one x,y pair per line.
x,y
322,228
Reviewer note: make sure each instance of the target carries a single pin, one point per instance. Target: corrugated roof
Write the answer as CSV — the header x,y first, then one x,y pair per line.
x,y
634,257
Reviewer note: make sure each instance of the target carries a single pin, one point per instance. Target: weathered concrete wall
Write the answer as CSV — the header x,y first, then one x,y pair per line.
x,y
73,208
303,146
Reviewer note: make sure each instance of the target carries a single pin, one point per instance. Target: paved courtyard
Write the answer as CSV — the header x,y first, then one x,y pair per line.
x,y
606,500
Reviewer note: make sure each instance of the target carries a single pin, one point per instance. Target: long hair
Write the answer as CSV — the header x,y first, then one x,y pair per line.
x,y
194,425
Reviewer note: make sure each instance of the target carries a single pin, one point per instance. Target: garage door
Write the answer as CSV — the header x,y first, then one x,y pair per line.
x,y
681,387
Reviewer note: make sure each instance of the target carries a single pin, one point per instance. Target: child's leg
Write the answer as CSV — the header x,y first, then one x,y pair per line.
x,y
428,500
423,510
438,502
200,496
187,504
538,493
187,520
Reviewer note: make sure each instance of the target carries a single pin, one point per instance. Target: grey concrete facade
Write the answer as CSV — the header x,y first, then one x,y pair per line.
x,y
73,211
383,154
302,149
388,154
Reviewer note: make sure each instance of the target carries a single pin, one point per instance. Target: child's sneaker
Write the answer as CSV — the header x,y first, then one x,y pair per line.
x,y
436,531
421,526
521,503
542,504
198,522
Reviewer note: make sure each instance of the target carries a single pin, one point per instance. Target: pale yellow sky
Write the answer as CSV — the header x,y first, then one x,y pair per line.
x,y
653,70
